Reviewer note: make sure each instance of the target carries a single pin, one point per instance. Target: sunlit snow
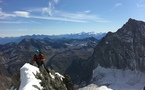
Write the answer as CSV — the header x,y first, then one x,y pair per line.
x,y
95,87
28,80
117,79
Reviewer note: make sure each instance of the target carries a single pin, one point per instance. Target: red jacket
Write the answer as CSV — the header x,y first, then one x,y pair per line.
x,y
39,57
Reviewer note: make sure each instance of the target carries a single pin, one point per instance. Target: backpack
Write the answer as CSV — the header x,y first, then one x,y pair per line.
x,y
38,58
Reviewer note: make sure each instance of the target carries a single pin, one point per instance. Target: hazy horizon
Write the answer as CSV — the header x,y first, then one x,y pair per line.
x,y
54,34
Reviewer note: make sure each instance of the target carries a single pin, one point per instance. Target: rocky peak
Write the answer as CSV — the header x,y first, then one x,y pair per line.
x,y
43,79
124,48
134,22
132,26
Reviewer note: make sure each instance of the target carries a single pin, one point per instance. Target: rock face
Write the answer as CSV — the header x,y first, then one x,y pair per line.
x,y
123,49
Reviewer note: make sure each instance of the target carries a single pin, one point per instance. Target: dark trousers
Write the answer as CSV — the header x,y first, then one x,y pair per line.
x,y
39,63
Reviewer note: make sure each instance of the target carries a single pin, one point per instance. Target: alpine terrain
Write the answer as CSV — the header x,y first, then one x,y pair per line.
x,y
115,62
61,55
119,58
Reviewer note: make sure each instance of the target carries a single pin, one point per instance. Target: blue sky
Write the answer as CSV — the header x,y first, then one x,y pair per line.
x,y
27,17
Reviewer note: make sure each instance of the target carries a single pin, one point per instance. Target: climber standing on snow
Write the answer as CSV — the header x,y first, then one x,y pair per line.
x,y
38,58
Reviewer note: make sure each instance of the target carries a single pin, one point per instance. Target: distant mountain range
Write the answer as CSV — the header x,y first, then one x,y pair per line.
x,y
69,36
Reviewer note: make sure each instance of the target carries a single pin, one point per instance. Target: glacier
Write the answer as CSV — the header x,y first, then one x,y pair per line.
x,y
116,79
95,87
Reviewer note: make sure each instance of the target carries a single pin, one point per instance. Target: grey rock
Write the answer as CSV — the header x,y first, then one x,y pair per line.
x,y
122,49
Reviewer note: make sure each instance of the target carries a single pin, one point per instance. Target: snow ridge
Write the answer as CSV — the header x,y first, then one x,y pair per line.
x,y
28,80
33,78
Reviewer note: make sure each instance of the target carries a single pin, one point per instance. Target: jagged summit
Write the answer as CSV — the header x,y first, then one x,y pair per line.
x,y
124,48
130,20
134,22
132,26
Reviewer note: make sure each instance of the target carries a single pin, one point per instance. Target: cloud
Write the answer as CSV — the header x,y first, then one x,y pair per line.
x,y
55,1
62,15
87,11
51,7
51,13
22,14
4,15
34,10
115,6
141,4
78,15
58,19
81,17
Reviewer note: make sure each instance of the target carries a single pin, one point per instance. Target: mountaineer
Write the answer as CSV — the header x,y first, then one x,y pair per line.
x,y
38,58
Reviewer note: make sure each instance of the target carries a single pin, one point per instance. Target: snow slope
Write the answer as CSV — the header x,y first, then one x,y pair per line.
x,y
119,79
116,79
95,87
28,80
